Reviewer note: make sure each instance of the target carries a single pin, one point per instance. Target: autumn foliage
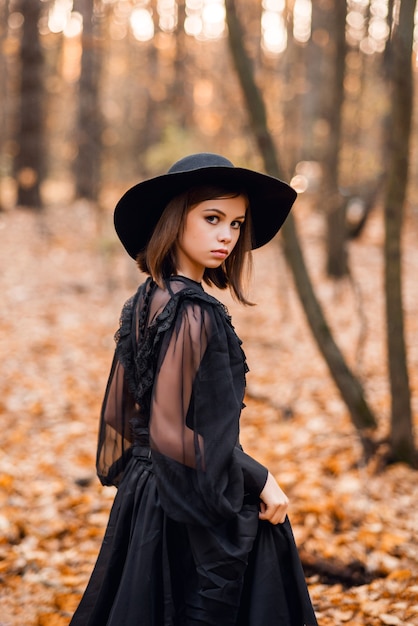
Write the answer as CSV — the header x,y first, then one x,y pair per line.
x,y
63,282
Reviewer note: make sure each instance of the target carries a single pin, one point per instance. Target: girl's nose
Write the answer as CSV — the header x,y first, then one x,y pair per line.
x,y
225,235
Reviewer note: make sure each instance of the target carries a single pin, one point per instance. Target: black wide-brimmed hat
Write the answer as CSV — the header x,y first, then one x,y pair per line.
x,y
140,208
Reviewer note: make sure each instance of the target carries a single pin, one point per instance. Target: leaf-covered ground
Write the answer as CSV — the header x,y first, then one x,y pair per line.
x,y
63,280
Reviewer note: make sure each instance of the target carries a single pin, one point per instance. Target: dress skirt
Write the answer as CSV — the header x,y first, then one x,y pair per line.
x,y
153,571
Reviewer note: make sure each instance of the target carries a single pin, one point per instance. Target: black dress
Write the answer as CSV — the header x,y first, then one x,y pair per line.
x,y
184,545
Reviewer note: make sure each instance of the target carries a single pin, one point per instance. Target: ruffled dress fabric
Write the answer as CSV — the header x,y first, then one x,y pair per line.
x,y
184,545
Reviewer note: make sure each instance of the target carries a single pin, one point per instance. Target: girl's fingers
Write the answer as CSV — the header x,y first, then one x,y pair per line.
x,y
274,515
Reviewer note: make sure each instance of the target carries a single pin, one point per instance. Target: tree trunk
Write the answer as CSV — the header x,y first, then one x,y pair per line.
x,y
3,90
349,387
389,21
150,133
316,78
333,99
292,69
400,81
89,125
322,121
29,163
180,89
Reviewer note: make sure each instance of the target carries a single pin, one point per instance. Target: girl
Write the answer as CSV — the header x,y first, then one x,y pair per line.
x,y
198,533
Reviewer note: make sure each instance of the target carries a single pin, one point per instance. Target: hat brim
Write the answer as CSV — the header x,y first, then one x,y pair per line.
x,y
140,208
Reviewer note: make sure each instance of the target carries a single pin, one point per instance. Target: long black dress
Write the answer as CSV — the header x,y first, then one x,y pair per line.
x,y
184,545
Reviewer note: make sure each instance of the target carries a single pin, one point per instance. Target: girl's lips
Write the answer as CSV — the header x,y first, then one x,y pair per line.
x,y
220,254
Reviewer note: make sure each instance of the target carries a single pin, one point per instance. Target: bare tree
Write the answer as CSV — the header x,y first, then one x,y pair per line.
x,y
29,163
3,87
89,126
324,58
333,100
145,65
180,89
400,80
348,385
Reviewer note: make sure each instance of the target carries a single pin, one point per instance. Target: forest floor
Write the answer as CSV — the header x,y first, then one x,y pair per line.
x,y
63,281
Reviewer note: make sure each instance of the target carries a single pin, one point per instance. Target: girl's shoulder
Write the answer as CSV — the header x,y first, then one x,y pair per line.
x,y
184,288
156,308
181,295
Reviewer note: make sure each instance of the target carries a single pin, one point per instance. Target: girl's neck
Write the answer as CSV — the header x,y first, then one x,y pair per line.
x,y
194,280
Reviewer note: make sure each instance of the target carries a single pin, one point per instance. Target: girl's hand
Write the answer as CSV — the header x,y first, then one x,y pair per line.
x,y
274,502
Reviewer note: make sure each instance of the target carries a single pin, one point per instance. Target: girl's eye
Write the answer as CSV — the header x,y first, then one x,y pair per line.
x,y
212,219
236,224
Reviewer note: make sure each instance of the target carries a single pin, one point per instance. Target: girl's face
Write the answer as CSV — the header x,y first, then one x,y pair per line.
x,y
211,230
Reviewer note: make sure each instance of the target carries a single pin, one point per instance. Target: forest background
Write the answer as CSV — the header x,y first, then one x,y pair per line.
x,y
98,95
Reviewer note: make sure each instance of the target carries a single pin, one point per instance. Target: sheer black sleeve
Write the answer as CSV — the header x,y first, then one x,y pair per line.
x,y
119,405
115,441
255,474
194,419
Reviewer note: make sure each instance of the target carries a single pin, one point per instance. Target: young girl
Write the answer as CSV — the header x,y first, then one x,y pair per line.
x,y
198,533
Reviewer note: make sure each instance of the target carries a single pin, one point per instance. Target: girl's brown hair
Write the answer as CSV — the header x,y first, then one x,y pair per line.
x,y
158,259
